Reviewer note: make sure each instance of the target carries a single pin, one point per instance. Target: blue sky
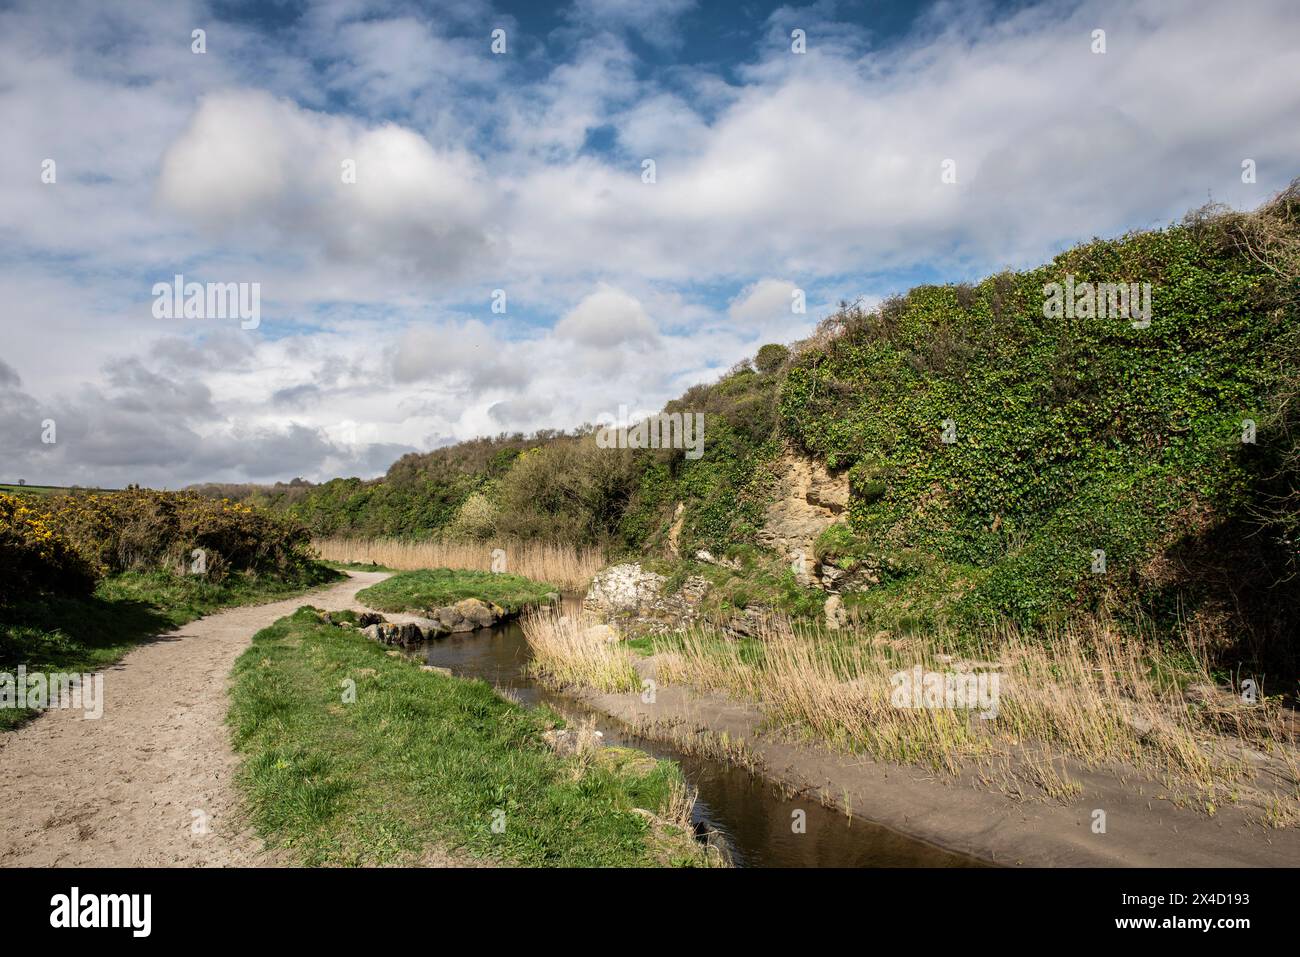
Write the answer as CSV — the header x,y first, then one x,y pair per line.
x,y
778,173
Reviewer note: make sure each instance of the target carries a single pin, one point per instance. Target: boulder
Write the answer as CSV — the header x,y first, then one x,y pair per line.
x,y
431,627
623,589
603,633
469,614
628,590
392,633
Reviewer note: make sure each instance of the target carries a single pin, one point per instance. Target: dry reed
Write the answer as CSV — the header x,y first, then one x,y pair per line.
x,y
568,567
1088,694
567,654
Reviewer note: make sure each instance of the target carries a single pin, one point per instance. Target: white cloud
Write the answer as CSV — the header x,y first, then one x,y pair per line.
x,y
272,173
654,20
476,172
606,318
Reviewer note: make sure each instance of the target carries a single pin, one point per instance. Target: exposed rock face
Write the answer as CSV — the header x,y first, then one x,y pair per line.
x,y
810,499
628,590
838,581
703,555
675,530
835,614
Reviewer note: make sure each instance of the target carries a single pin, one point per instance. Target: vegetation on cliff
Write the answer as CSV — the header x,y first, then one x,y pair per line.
x,y
1007,460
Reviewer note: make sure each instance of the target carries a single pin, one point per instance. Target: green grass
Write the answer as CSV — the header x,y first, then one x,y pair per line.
x,y
40,490
53,633
436,587
359,566
420,759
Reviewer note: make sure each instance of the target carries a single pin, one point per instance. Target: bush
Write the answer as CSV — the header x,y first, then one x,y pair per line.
x,y
1072,436
142,529
35,556
771,357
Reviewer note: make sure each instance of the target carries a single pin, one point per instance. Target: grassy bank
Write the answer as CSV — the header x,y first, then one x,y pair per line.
x,y
571,568
435,587
63,633
421,761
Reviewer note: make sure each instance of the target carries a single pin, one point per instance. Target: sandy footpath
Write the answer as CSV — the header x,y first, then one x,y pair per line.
x,y
121,791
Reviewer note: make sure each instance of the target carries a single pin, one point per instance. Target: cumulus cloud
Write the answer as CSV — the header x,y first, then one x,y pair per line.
x,y
606,318
272,172
473,172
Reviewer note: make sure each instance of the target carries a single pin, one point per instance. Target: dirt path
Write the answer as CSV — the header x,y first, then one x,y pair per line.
x,y
122,790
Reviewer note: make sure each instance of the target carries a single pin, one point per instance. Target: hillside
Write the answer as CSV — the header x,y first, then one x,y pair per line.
x,y
1008,456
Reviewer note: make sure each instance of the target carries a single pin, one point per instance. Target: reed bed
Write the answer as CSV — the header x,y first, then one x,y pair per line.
x,y
567,653
571,568
1087,694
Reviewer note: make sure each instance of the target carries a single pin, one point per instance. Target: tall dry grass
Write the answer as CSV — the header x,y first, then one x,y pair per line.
x,y
1088,694
566,653
569,567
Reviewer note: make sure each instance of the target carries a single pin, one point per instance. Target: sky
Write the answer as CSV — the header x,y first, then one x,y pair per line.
x,y
462,218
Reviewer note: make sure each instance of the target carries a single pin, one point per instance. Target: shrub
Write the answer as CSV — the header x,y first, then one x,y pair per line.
x,y
142,529
771,357
35,556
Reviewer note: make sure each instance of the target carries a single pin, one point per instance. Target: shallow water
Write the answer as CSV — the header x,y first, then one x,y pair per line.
x,y
750,815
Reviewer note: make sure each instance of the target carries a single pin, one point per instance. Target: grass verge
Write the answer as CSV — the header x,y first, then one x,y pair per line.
x,y
420,762
434,587
66,634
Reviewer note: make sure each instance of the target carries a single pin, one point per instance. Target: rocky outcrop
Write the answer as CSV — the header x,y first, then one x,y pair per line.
x,y
809,500
708,558
836,617
840,581
630,591
392,633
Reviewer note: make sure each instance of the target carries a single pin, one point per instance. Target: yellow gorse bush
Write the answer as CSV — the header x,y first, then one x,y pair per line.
x,y
35,556
65,542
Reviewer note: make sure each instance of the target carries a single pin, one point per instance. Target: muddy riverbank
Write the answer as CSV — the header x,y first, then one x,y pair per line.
x,y
762,824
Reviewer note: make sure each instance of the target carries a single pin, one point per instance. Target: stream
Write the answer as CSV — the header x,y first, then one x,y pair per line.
x,y
750,815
